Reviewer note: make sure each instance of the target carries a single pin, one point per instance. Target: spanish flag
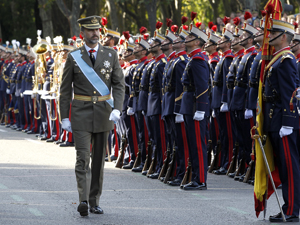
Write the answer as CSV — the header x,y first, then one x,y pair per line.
x,y
262,185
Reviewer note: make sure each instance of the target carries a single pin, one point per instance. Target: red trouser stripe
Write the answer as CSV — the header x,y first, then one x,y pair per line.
x,y
56,122
116,141
200,153
24,112
146,134
134,138
162,137
230,139
185,143
289,166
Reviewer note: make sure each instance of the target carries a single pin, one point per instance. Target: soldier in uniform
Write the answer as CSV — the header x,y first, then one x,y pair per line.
x,y
281,120
95,72
194,106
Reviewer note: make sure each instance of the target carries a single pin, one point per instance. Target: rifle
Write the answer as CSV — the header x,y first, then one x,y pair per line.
x,y
152,167
250,170
232,166
187,176
241,169
209,150
164,168
148,156
215,162
172,166
138,159
123,146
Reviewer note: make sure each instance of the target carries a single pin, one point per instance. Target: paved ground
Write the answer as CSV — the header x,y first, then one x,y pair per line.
x,y
38,186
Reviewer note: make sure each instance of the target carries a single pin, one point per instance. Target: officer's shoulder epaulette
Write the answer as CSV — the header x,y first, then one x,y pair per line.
x,y
254,52
198,57
214,61
164,60
230,55
182,57
286,56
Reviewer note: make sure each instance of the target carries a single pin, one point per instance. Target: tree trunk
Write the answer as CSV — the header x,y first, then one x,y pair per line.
x,y
214,6
93,8
45,14
112,14
227,9
151,9
176,12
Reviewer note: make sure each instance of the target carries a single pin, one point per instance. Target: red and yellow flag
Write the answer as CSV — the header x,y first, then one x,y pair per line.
x,y
262,190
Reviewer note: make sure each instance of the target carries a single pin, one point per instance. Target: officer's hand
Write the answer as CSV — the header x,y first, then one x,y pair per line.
x,y
213,114
224,107
130,111
33,95
298,93
66,124
7,91
199,115
115,115
143,112
179,118
285,131
248,114
21,95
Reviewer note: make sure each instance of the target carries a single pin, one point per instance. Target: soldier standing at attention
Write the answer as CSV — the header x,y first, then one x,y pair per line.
x,y
95,72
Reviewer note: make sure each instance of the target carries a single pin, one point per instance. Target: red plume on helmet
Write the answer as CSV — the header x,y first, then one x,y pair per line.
x,y
158,25
143,30
247,15
169,22
236,21
81,37
184,19
126,34
174,28
198,24
214,28
296,25
185,27
226,20
193,15
210,24
74,38
103,21
263,13
270,8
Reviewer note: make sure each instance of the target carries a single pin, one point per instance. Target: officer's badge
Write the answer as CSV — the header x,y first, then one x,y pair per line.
x,y
107,76
109,54
103,71
106,64
94,20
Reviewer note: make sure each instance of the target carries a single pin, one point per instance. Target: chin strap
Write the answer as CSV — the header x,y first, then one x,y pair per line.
x,y
246,39
154,46
282,32
295,45
190,40
223,42
127,55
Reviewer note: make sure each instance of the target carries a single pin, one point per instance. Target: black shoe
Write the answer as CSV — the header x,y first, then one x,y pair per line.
x,y
57,142
145,172
175,182
31,132
2,124
279,187
83,209
25,131
42,138
242,177
112,158
232,175
7,126
50,140
278,218
162,179
194,186
153,176
19,129
137,169
96,210
128,166
37,135
66,144
221,171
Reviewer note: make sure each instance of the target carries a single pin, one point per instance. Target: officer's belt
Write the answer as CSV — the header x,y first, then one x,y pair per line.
x,y
12,81
230,85
144,87
91,98
240,84
28,79
253,85
270,99
188,88
18,81
169,89
134,94
154,89
218,83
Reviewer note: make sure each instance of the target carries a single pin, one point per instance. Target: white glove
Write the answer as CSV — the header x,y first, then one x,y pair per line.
x,y
33,95
7,91
130,111
66,124
298,93
248,114
17,93
143,112
199,115
21,95
115,115
285,131
213,114
224,107
298,111
179,118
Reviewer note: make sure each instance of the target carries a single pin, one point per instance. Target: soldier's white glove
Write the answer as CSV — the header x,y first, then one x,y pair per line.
x,y
7,91
115,115
298,93
224,107
33,95
199,115
248,114
298,111
285,131
179,118
66,124
143,112
130,111
213,114
21,95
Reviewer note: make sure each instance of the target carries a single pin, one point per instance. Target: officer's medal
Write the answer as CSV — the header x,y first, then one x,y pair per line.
x,y
107,70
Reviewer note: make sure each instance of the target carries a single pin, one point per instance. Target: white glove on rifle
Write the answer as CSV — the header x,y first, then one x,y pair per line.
x,y
115,115
224,107
213,114
285,131
130,111
248,114
7,91
66,124
179,118
199,115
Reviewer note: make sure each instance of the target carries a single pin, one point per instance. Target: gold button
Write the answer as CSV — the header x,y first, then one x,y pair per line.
x,y
94,102
95,92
